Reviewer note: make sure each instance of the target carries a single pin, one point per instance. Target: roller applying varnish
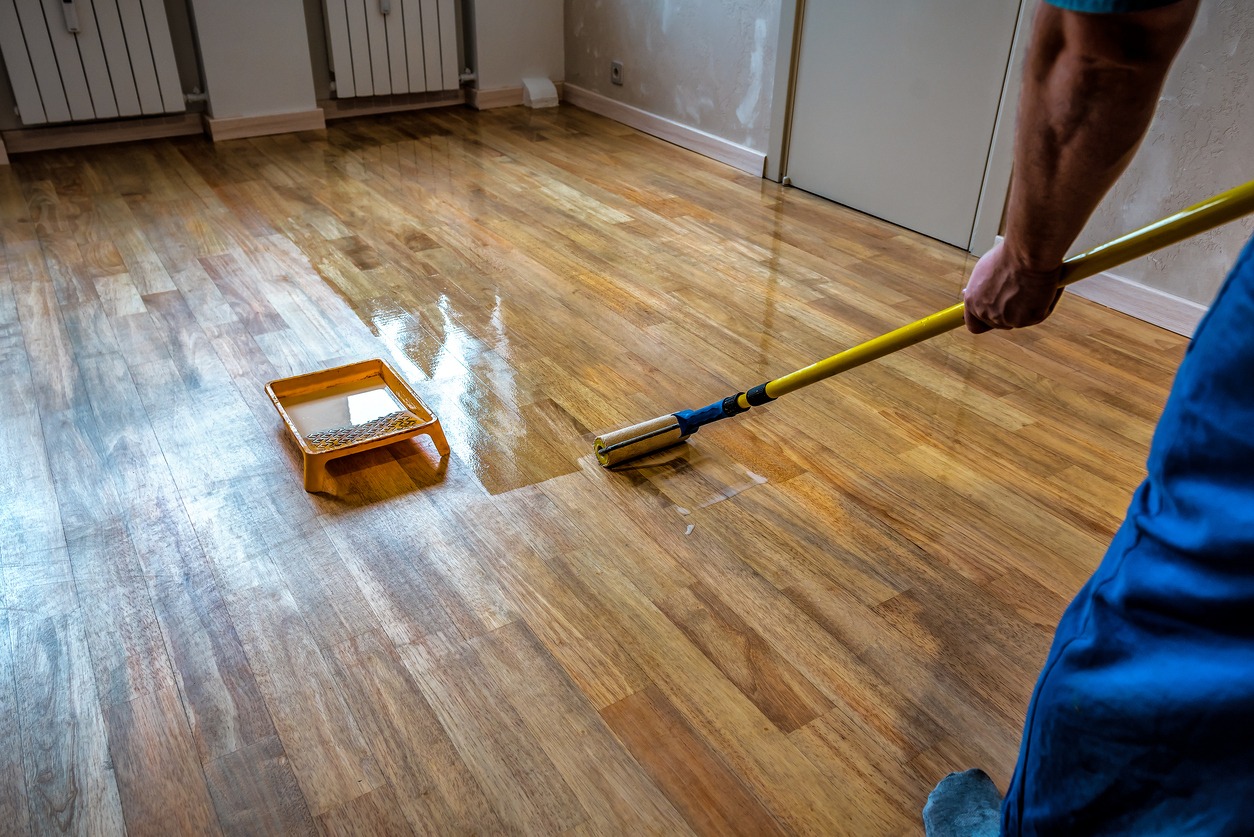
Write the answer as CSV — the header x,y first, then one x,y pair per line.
x,y
662,432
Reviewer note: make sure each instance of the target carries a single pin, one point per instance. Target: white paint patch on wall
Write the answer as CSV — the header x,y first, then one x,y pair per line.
x,y
708,64
1200,142
748,108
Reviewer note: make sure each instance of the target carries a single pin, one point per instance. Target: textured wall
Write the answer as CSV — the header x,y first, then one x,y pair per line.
x,y
1201,142
708,64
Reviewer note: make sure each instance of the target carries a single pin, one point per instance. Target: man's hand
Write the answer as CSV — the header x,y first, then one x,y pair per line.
x,y
1003,294
1090,86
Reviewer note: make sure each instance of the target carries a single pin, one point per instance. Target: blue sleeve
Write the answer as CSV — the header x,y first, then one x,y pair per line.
x,y
1107,6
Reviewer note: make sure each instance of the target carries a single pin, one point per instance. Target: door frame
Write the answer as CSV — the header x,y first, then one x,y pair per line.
x,y
996,182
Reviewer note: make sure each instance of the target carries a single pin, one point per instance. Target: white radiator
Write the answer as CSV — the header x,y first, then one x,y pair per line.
x,y
75,60
380,47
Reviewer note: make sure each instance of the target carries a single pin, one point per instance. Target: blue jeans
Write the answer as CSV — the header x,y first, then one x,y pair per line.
x,y
1142,721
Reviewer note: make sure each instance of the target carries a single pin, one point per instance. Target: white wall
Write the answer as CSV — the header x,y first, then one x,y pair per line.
x,y
1201,142
514,39
706,64
255,57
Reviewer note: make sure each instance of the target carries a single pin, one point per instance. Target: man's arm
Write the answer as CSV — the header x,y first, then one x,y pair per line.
x,y
1090,88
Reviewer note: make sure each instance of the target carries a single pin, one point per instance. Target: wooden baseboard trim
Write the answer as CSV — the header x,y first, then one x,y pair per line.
x,y
725,151
1165,310
375,105
503,97
241,127
101,133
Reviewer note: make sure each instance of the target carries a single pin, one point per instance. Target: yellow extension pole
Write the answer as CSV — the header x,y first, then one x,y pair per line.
x,y
1220,209
640,439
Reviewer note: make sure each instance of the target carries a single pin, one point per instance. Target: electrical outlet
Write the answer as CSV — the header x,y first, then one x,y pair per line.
x,y
616,72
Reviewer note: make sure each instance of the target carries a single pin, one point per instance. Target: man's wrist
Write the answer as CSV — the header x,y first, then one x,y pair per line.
x,y
1027,264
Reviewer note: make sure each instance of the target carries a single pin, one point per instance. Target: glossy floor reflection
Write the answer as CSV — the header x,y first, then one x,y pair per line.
x,y
797,623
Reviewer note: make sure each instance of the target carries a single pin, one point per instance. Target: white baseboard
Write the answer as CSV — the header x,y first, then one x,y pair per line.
x,y
240,127
1166,310
502,97
725,151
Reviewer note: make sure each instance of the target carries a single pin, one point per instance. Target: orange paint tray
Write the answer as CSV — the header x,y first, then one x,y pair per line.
x,y
350,409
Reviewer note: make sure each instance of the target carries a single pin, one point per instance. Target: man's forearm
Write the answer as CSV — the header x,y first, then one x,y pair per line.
x,y
1090,88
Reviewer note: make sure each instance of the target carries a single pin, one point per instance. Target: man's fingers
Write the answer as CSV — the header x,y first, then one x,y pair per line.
x,y
1054,304
974,324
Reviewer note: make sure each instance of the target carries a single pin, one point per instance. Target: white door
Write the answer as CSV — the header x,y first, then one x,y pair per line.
x,y
895,106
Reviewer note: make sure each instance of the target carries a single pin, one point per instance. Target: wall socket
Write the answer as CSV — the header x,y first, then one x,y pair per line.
x,y
616,72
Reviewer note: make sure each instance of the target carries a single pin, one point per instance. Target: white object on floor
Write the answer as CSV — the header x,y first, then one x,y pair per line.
x,y
539,93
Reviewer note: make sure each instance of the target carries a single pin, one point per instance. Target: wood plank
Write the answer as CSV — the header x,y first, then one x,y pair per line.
x,y
128,651
519,779
254,792
889,782
263,531
687,769
48,346
435,792
392,572
207,435
40,584
328,755
764,759
160,782
13,809
609,784
224,706
70,783
32,519
779,690
142,263
371,813
558,608
127,648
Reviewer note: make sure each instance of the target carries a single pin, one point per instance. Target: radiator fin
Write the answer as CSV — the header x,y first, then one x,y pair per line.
x,y
410,48
120,61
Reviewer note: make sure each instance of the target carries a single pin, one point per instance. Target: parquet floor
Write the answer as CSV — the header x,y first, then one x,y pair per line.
x,y
795,624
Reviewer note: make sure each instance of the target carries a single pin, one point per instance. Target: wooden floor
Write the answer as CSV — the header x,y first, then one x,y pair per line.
x,y
795,624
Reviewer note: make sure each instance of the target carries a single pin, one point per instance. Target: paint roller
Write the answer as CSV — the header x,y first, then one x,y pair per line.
x,y
656,434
